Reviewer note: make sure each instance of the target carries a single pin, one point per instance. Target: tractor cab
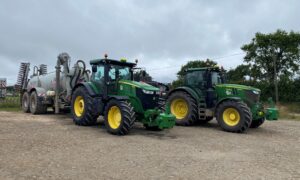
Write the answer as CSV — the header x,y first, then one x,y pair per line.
x,y
106,73
204,78
203,81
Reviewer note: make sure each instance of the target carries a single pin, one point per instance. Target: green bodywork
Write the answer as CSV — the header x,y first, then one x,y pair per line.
x,y
223,92
128,89
235,91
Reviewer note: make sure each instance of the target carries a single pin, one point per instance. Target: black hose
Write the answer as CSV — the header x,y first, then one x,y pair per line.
x,y
83,63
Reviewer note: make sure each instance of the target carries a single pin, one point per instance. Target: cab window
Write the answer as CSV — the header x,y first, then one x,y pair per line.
x,y
99,75
216,78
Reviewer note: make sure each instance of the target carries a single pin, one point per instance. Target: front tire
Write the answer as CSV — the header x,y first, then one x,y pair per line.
x,y
119,117
184,108
257,123
82,108
234,116
36,105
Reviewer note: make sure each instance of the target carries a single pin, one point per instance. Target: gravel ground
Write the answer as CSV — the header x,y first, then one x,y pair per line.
x,y
52,147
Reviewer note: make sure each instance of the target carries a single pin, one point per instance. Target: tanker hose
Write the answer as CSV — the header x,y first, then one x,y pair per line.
x,y
83,63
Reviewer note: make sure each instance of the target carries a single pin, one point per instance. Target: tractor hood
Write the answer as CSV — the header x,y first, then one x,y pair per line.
x,y
237,86
141,85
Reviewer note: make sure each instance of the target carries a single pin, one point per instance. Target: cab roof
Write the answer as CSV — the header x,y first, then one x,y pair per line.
x,y
112,61
217,69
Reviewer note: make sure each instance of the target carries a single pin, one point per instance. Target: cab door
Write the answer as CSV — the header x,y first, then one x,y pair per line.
x,y
98,77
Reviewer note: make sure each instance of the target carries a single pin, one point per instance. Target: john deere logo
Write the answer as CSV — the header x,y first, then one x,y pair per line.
x,y
228,92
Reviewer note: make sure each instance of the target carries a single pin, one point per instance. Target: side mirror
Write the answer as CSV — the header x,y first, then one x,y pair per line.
x,y
94,68
144,73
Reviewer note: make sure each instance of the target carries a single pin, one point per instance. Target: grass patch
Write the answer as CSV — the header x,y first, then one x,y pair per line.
x,y
289,111
11,109
10,104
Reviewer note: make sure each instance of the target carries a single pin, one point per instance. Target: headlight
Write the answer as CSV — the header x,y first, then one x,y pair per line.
x,y
255,92
148,92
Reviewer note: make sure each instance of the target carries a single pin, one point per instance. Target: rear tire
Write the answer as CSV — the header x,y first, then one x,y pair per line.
x,y
36,105
184,108
234,116
82,108
257,123
25,102
119,117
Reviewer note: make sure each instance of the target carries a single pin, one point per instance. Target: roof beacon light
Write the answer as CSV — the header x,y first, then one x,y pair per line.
x,y
105,56
123,59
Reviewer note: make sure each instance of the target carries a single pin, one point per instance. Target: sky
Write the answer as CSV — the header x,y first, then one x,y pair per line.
x,y
162,35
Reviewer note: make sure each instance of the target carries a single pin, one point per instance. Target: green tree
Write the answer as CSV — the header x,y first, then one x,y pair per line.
x,y
191,64
239,74
273,55
139,76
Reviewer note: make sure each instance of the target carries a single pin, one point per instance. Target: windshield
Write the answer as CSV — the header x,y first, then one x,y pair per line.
x,y
119,72
194,78
216,78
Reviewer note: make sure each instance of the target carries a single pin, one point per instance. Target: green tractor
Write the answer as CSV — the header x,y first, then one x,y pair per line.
x,y
112,93
205,95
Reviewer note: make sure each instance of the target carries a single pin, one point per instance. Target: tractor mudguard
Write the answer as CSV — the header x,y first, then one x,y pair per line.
x,y
88,87
187,90
41,92
119,97
225,99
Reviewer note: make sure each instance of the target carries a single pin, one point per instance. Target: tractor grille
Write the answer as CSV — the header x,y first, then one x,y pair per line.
x,y
149,101
251,96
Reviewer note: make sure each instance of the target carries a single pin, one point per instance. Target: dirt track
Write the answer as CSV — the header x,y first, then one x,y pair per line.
x,y
52,147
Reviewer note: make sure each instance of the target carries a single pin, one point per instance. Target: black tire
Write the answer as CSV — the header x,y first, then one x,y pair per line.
x,y
86,117
192,115
127,117
245,116
25,102
257,123
36,105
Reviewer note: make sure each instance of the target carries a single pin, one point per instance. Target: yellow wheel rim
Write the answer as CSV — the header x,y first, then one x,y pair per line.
x,y
79,106
179,108
231,116
114,117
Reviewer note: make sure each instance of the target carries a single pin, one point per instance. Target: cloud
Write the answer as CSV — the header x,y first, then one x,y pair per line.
x,y
159,33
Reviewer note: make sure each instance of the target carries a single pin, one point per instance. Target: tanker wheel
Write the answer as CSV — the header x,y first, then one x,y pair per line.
x,y
82,108
184,108
36,105
25,102
119,117
257,123
234,116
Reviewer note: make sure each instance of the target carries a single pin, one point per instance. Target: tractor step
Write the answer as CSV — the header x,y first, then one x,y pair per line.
x,y
202,109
